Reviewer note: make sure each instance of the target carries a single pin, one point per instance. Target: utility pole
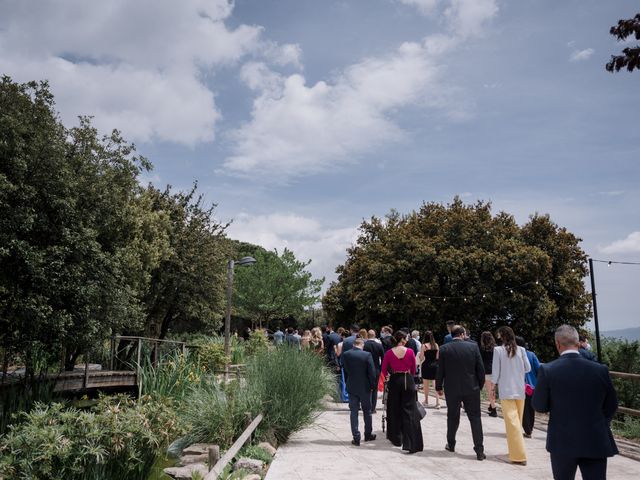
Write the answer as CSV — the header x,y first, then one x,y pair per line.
x,y
595,310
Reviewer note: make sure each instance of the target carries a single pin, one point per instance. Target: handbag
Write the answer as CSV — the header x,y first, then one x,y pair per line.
x,y
528,389
422,412
381,383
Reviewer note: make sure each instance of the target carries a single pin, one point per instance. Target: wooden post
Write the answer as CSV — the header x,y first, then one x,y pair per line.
x,y
155,353
214,456
139,356
113,352
86,371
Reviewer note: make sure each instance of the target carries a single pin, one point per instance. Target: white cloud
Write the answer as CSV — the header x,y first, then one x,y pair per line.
x,y
298,129
631,244
426,7
137,66
579,55
307,238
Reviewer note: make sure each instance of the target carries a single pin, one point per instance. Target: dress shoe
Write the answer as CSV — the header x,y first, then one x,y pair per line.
x,y
526,435
493,412
449,448
480,456
506,459
370,438
355,442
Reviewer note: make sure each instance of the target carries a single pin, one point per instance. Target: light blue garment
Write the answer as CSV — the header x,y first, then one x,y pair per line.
x,y
278,337
508,373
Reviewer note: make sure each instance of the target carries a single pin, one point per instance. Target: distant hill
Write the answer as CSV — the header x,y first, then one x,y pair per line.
x,y
630,334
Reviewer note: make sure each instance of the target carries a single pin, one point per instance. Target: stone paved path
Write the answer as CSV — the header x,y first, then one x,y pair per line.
x,y
323,451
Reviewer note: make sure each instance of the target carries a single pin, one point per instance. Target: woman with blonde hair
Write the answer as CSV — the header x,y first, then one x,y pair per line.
x,y
316,342
510,363
305,341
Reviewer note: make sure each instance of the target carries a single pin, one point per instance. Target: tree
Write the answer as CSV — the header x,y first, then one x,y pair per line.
x,y
67,223
275,287
459,262
630,58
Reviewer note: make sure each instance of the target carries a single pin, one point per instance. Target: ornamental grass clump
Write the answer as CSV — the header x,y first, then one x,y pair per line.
x,y
117,438
174,378
290,385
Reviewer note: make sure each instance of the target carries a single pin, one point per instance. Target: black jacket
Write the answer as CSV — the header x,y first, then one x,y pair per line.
x,y
359,372
377,352
460,369
333,339
581,401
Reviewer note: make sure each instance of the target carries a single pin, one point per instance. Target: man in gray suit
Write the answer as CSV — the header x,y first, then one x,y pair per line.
x,y
461,373
360,377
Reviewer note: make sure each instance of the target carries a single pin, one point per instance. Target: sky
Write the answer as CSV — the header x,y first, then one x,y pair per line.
x,y
301,118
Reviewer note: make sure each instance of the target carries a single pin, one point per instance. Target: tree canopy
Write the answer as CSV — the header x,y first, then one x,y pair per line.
x,y
630,58
85,250
276,287
460,262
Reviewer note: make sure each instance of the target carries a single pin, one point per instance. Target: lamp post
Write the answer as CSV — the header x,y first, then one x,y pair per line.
x,y
227,319
595,309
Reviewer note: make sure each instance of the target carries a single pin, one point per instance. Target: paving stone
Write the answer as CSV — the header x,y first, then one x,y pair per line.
x,y
249,464
188,459
197,449
324,450
186,472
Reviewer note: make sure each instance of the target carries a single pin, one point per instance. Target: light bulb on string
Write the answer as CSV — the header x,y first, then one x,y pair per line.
x,y
609,264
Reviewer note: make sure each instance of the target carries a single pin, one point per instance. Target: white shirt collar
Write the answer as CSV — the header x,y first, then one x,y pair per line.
x,y
569,351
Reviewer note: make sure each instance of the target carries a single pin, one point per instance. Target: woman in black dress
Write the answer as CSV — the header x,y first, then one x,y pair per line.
x,y
487,344
429,357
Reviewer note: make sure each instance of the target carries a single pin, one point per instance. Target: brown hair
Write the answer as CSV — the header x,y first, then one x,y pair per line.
x,y
508,340
431,339
363,333
487,342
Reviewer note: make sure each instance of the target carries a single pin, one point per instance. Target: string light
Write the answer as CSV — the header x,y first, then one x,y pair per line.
x,y
613,262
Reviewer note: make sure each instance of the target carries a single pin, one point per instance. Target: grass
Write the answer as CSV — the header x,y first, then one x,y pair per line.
x,y
628,428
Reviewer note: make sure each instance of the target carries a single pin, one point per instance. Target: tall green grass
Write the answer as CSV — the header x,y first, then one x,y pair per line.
x,y
290,386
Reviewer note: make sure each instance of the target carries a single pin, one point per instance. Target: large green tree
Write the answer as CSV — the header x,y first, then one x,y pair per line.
x,y
277,286
68,223
460,262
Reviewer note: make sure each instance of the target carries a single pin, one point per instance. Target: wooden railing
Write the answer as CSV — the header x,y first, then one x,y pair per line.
x,y
627,376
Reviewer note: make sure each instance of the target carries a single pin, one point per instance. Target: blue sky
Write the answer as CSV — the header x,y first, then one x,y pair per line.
x,y
300,118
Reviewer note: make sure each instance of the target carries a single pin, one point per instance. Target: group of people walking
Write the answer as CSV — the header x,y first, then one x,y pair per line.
x,y
576,391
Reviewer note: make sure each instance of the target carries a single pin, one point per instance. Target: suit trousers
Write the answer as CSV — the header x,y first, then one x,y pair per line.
x,y
564,468
356,402
374,398
528,416
471,404
512,411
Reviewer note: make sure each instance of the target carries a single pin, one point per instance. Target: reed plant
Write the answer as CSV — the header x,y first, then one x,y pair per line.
x,y
174,378
290,386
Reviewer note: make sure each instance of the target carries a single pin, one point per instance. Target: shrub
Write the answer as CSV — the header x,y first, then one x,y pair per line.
x,y
290,386
257,453
217,414
212,356
117,438
257,343
173,378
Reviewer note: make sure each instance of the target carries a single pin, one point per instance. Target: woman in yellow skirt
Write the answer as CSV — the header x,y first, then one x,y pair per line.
x,y
510,363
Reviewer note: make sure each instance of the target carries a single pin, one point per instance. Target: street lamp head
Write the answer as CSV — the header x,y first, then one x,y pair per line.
x,y
246,261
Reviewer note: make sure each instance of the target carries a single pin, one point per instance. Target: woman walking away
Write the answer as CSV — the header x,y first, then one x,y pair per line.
x,y
510,363
317,344
487,344
530,381
429,357
403,419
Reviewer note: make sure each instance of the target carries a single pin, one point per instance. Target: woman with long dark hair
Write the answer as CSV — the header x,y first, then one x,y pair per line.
x,y
487,344
510,363
403,419
429,357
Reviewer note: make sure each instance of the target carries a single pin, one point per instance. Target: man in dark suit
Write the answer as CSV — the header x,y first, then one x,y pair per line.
x,y
377,353
461,373
347,343
333,339
360,377
581,401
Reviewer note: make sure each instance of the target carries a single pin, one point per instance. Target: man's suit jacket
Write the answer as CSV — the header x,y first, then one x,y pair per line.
x,y
460,369
347,343
359,372
377,352
581,401
333,339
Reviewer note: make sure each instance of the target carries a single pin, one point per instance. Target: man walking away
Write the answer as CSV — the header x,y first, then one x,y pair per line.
x,y
278,337
386,338
377,353
360,377
581,401
461,373
347,343
448,337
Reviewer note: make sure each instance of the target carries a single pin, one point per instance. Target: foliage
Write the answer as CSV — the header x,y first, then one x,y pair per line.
x,y
173,378
211,355
277,286
623,356
257,343
630,58
217,414
628,427
255,452
21,397
290,386
118,438
493,272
